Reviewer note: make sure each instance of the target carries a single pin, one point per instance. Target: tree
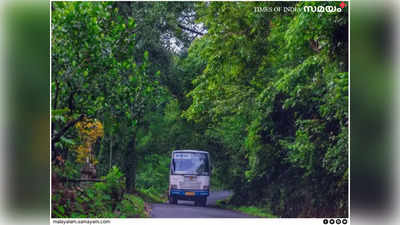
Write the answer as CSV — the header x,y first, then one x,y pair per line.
x,y
94,73
279,81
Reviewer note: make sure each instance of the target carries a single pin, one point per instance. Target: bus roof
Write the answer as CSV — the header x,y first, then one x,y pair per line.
x,y
198,151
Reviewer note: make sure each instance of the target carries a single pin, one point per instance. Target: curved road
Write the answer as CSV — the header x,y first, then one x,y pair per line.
x,y
186,209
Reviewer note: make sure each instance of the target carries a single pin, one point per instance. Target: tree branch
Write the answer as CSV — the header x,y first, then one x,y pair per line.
x,y
56,137
56,95
81,180
190,30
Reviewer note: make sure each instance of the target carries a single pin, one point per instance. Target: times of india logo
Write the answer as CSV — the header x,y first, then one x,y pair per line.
x,y
308,8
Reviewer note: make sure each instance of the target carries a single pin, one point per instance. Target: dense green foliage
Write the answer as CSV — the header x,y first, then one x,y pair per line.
x,y
102,199
265,93
274,91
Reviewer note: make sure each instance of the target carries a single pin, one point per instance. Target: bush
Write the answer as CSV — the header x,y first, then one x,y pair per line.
x,y
132,206
152,195
100,200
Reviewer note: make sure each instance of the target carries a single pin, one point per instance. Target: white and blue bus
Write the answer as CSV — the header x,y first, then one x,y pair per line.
x,y
189,178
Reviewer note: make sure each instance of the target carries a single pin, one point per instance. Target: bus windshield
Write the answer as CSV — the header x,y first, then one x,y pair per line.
x,y
190,163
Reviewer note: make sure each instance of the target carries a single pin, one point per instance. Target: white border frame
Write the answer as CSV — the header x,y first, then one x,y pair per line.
x,y
263,221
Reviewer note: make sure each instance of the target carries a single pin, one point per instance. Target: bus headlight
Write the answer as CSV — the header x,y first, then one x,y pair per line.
x,y
205,187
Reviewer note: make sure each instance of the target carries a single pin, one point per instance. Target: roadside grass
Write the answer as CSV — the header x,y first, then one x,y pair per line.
x,y
132,206
151,196
217,188
250,210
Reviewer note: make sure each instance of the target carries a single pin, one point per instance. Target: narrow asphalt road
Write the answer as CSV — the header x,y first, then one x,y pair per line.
x,y
186,209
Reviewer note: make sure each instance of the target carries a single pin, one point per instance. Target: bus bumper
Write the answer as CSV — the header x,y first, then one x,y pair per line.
x,y
189,193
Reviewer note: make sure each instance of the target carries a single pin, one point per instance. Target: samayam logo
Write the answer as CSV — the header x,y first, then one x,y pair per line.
x,y
328,8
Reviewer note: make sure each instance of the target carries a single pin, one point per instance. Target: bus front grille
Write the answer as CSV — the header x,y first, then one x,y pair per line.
x,y
189,185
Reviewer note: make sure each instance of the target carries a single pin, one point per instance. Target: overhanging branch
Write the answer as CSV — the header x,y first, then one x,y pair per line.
x,y
56,137
190,30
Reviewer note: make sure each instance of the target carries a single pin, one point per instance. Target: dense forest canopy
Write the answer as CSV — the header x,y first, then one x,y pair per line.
x,y
265,93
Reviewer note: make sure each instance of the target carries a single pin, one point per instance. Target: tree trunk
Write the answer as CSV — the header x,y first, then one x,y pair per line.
x,y
130,165
110,151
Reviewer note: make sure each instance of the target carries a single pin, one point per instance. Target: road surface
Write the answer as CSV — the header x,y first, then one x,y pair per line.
x,y
186,209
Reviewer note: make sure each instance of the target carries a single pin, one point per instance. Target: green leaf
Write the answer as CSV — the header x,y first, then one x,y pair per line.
x,y
61,209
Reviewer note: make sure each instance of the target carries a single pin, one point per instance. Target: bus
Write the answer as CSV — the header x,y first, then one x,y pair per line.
x,y
189,177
